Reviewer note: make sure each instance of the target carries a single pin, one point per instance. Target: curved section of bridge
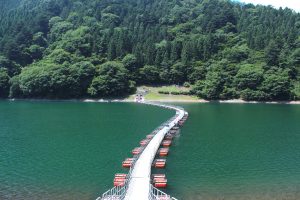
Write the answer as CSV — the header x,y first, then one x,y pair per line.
x,y
138,186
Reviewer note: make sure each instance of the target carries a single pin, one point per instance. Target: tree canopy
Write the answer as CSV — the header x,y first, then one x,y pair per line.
x,y
103,48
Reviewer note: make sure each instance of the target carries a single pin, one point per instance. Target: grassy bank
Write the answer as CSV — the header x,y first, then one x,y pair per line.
x,y
154,93
164,93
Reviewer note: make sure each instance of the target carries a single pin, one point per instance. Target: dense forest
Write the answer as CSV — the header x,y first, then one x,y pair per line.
x,y
105,48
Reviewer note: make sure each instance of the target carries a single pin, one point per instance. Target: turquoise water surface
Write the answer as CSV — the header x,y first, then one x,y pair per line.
x,y
71,150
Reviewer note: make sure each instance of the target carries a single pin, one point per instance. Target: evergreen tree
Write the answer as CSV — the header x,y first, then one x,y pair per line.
x,y
227,49
272,54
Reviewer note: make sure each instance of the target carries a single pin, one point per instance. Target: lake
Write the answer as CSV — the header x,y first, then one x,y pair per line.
x,y
71,150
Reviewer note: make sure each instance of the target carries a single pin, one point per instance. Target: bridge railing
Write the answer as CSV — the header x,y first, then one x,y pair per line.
x,y
113,194
156,194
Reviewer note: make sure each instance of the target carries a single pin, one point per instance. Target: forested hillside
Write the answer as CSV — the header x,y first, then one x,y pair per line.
x,y
104,48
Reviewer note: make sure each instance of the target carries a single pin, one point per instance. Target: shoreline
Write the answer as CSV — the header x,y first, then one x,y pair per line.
x,y
231,101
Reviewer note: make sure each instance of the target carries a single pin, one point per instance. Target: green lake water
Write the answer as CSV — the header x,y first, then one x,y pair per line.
x,y
71,150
